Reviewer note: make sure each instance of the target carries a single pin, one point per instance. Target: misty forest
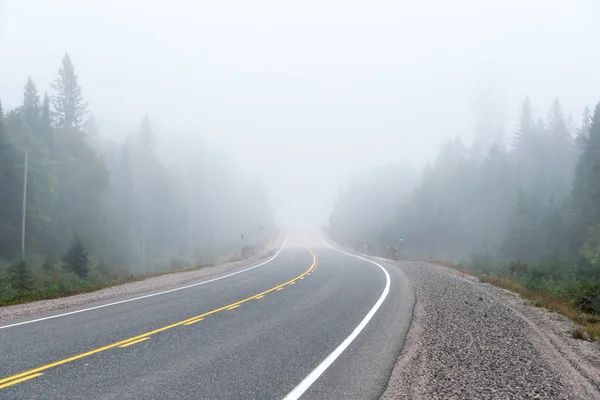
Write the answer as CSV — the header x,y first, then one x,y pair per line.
x,y
100,212
523,206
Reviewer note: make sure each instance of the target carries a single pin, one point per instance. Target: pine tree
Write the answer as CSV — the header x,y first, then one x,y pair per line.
x,y
68,101
583,132
523,135
1,111
146,134
91,128
22,277
585,198
556,122
46,114
10,193
77,258
31,105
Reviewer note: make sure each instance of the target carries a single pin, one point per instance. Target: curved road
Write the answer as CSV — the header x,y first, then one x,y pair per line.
x,y
265,333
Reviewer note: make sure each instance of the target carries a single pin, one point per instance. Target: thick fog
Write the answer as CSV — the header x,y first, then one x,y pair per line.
x,y
306,94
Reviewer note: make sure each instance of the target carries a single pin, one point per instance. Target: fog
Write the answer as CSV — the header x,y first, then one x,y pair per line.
x,y
306,94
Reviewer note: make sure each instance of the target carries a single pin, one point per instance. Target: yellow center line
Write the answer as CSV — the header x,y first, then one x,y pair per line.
x,y
231,308
147,334
25,378
194,321
134,342
259,297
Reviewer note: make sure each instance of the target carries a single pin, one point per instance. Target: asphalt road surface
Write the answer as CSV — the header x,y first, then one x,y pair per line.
x,y
311,323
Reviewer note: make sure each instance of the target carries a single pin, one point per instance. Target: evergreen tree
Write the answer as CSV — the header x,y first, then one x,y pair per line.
x,y
523,136
46,114
1,111
77,258
22,277
583,132
91,128
585,198
146,134
31,105
68,101
10,194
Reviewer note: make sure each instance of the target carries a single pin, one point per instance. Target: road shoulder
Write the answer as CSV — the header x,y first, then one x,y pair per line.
x,y
472,340
15,313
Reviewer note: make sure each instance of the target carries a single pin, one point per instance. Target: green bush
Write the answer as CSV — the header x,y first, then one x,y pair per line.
x,y
22,277
588,299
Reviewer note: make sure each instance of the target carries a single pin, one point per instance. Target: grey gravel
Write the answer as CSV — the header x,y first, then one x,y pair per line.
x,y
9,313
470,340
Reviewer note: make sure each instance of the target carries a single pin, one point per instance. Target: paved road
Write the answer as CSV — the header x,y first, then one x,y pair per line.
x,y
261,334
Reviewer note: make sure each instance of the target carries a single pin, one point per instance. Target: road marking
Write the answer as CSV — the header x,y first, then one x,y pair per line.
x,y
321,368
164,328
134,342
23,379
194,321
234,307
292,283
148,295
301,278
259,297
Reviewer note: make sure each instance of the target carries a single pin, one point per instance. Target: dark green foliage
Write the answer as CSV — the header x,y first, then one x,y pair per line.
x,y
68,101
31,106
120,197
77,259
530,213
22,277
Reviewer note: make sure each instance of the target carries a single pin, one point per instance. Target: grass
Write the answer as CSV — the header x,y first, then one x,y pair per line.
x,y
88,287
83,286
589,323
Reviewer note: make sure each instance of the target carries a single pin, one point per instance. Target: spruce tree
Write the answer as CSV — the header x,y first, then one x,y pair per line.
x,y
77,258
68,101
146,134
31,105
523,135
46,114
22,277
585,198
91,128
583,132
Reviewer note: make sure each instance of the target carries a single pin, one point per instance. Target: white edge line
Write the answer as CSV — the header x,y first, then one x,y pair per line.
x,y
148,295
317,372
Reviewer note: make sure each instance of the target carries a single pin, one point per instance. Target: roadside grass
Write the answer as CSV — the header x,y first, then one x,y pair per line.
x,y
80,286
67,285
590,323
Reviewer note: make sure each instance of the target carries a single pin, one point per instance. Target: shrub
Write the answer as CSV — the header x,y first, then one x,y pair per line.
x,y
588,299
77,258
22,277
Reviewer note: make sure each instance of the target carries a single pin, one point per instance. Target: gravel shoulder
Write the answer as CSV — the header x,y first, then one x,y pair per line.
x,y
472,340
163,282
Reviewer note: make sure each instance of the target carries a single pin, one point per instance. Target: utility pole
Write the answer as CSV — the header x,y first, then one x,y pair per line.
x,y
242,236
24,207
144,244
189,232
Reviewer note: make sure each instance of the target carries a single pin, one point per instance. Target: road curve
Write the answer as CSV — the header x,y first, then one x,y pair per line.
x,y
254,335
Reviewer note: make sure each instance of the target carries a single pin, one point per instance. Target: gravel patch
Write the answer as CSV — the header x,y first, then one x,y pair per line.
x,y
470,340
168,281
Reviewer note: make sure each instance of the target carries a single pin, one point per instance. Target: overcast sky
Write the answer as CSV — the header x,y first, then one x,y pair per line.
x,y
306,92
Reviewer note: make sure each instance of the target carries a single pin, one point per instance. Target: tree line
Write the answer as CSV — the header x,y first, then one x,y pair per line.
x,y
99,210
527,208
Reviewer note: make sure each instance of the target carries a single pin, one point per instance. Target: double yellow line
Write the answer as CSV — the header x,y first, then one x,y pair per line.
x,y
33,373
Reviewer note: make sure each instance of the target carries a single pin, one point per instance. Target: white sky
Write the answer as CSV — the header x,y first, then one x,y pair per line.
x,y
306,92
